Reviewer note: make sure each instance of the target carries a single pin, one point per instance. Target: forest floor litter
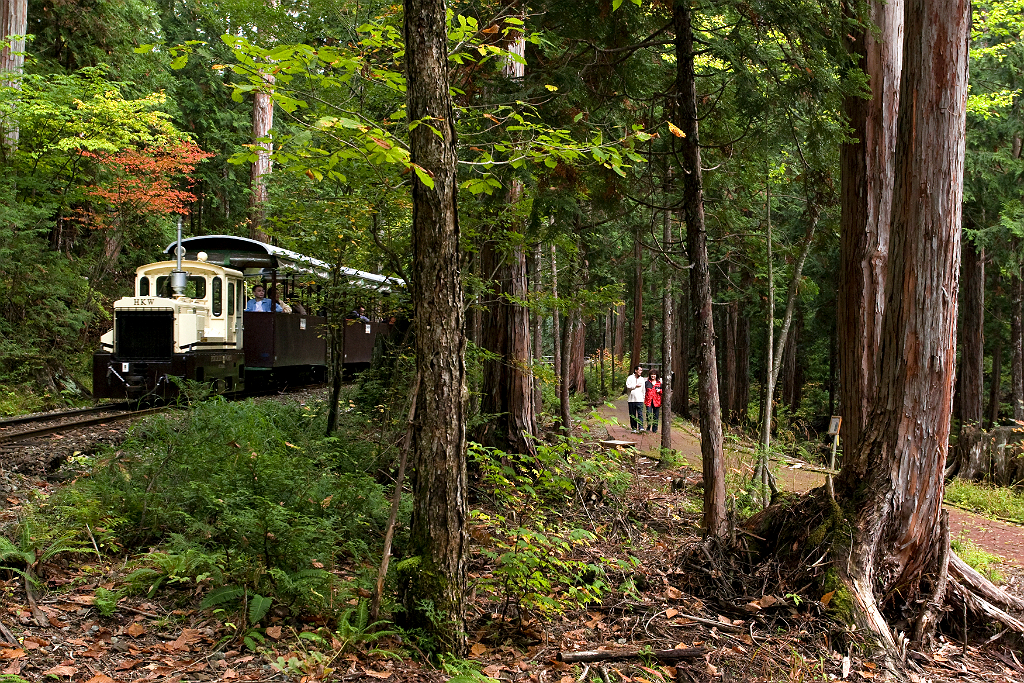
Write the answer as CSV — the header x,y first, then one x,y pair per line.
x,y
678,598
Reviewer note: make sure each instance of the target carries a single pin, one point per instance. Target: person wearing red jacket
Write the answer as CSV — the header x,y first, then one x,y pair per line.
x,y
652,399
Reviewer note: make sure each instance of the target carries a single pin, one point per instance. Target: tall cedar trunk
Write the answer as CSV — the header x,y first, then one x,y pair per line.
x,y
893,477
972,350
995,386
262,122
681,358
638,302
867,181
433,587
507,390
13,22
555,317
742,370
538,328
620,332
507,396
475,332
667,338
1017,347
790,368
728,390
563,380
715,523
577,357
606,341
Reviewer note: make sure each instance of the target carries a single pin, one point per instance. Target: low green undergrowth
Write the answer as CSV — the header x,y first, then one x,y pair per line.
x,y
983,561
536,556
993,501
242,495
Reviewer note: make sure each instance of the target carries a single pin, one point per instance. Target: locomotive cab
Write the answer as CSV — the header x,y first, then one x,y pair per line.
x,y
195,334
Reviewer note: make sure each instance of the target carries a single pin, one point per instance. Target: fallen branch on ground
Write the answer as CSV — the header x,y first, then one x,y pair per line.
x,y
614,655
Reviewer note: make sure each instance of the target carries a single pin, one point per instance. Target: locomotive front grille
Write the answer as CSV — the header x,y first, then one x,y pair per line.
x,y
144,335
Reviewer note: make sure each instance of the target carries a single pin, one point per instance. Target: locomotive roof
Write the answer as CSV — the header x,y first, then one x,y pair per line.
x,y
229,249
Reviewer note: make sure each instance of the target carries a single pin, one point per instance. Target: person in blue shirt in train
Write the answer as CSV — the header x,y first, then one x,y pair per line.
x,y
260,303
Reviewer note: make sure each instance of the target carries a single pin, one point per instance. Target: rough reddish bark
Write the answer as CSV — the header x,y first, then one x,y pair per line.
x,y
867,182
972,341
893,477
507,393
556,316
667,336
714,522
995,389
538,327
437,535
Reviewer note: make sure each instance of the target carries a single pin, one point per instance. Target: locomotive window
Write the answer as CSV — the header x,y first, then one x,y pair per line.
x,y
143,286
231,298
195,287
218,303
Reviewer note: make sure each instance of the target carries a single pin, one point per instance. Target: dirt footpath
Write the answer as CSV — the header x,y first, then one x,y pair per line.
x,y
1000,538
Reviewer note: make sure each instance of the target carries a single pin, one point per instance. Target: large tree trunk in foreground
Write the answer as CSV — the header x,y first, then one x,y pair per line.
x,y
433,586
972,350
893,477
867,167
715,523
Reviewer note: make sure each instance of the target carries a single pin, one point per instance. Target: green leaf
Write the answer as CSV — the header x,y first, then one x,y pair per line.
x,y
423,175
258,608
616,4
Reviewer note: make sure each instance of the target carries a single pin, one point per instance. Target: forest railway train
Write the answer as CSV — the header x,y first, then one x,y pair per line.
x,y
186,319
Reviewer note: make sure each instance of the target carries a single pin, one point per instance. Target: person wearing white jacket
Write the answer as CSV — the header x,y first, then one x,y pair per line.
x,y
636,388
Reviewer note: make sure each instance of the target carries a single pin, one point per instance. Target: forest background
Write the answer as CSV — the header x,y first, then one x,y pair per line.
x,y
131,113
570,195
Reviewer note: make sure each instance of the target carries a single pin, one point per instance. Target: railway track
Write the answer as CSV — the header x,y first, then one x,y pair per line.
x,y
35,426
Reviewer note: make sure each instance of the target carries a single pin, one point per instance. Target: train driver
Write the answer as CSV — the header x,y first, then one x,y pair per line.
x,y
260,303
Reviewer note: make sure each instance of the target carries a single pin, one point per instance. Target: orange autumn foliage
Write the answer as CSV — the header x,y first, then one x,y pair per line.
x,y
146,182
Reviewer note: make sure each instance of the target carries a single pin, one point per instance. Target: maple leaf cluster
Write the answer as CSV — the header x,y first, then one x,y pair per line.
x,y
149,181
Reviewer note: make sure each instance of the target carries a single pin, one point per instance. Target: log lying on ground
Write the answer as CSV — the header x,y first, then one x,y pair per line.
x,y
968,577
981,606
675,655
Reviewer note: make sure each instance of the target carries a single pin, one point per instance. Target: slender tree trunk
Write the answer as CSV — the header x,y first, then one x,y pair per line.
x,y
667,336
538,328
620,332
1017,347
638,301
681,377
972,350
775,354
433,587
867,182
715,522
742,370
563,380
893,478
13,22
730,317
604,350
995,385
578,357
556,314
